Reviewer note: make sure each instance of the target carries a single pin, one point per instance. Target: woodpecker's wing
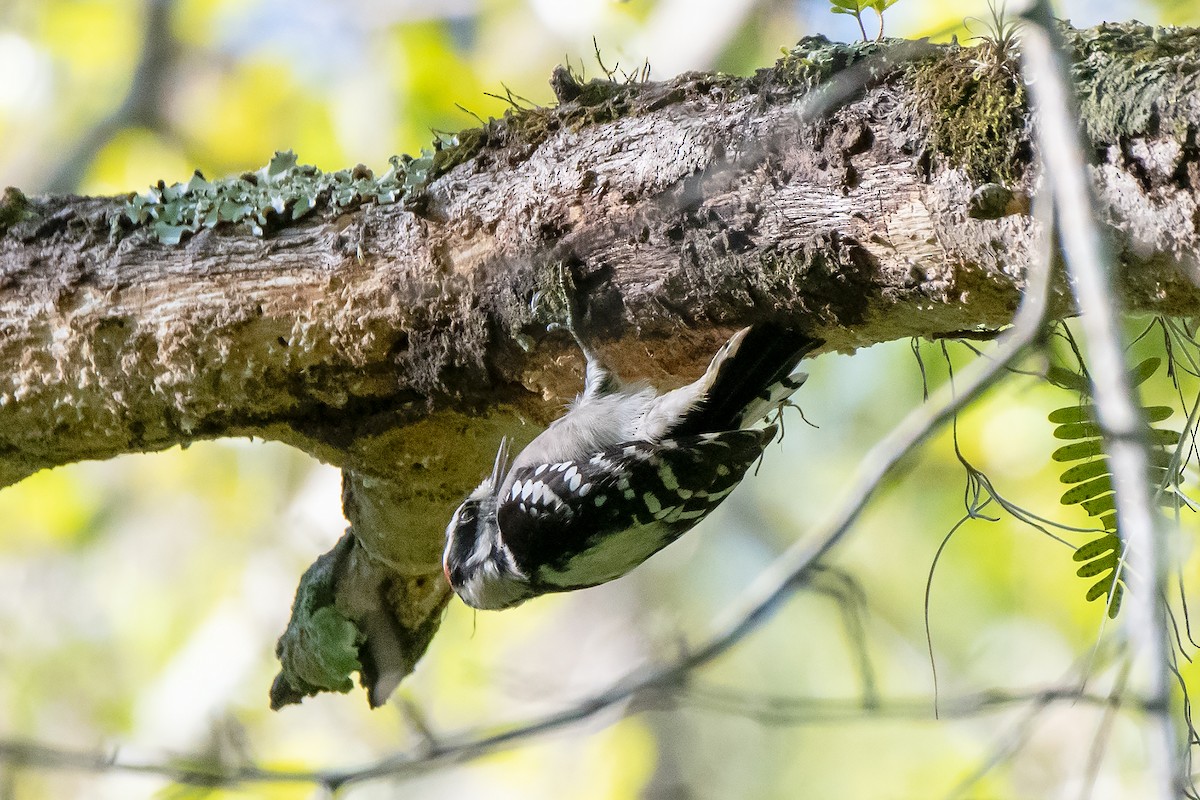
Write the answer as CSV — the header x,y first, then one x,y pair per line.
x,y
580,523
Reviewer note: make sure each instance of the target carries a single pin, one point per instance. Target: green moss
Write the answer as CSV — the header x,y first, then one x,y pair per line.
x,y
1135,79
979,113
14,208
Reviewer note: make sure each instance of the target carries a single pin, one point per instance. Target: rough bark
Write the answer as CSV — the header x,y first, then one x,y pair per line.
x,y
401,341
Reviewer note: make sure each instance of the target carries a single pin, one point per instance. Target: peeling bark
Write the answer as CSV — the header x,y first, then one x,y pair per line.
x,y
400,342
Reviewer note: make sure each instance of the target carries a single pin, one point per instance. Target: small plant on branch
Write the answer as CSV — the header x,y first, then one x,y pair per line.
x,y
855,8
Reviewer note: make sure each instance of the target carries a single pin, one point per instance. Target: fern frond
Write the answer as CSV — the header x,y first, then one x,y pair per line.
x,y
1090,480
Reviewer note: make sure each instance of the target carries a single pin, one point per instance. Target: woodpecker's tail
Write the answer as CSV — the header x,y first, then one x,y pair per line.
x,y
748,378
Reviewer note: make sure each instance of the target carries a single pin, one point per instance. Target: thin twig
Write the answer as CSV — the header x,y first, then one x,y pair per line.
x,y
1121,421
788,710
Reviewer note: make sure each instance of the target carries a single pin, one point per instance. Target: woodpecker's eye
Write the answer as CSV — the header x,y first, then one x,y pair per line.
x,y
465,517
460,541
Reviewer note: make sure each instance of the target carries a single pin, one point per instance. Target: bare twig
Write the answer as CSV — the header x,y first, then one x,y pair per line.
x,y
1124,428
785,710
141,106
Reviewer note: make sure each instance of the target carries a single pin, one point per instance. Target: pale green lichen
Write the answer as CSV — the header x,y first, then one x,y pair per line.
x,y
276,195
319,649
814,59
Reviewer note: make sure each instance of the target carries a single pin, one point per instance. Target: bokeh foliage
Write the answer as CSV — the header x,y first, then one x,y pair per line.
x,y
142,596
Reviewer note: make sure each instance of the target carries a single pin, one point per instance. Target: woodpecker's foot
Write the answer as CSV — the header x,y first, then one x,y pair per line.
x,y
564,283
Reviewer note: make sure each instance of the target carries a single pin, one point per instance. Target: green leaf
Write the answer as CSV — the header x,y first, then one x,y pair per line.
x,y
1142,372
1085,471
1066,379
1157,413
1097,547
1080,413
1164,436
1099,565
1091,448
1161,458
1087,491
1169,499
1109,522
1114,605
1100,505
1099,589
1077,430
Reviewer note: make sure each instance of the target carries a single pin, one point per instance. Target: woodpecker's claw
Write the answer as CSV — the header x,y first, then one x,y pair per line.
x,y
570,295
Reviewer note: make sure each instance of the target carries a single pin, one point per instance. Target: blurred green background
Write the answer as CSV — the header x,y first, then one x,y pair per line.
x,y
142,597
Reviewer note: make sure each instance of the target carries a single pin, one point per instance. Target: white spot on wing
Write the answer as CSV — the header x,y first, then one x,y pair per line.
x,y
667,476
573,483
715,496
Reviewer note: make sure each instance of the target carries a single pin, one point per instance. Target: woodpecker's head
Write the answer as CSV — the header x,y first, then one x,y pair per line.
x,y
469,535
478,565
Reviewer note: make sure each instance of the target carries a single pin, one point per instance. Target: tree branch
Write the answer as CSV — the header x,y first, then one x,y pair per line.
x,y
400,341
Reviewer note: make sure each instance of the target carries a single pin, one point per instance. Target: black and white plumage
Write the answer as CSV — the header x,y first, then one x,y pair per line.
x,y
621,475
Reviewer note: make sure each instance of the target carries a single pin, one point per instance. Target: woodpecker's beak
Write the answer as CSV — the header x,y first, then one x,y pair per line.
x,y
501,465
